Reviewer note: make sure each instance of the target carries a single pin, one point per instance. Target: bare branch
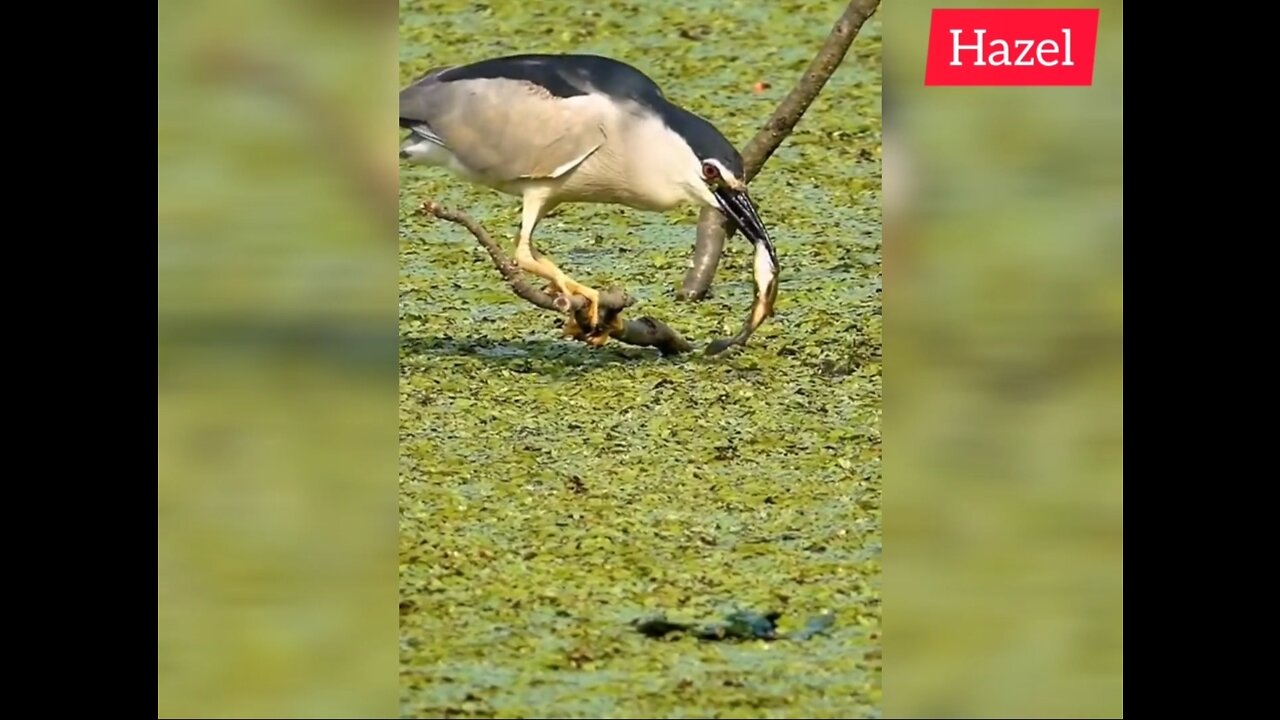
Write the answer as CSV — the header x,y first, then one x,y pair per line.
x,y
642,332
713,227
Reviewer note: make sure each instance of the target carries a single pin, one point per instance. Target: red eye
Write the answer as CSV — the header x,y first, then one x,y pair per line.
x,y
709,171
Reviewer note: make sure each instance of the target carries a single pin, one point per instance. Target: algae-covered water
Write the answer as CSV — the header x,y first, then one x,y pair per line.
x,y
552,493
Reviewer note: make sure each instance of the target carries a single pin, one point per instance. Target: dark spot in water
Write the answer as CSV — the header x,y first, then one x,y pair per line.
x,y
738,625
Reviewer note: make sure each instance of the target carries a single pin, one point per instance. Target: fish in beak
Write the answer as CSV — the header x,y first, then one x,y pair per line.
x,y
736,204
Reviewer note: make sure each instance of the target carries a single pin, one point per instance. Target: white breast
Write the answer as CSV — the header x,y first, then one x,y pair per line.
x,y
643,165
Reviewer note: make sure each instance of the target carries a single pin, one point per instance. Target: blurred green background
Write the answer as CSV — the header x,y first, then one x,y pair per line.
x,y
276,299
1003,417
277,383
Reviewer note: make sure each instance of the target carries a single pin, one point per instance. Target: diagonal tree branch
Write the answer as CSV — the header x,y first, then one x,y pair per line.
x,y
642,332
713,227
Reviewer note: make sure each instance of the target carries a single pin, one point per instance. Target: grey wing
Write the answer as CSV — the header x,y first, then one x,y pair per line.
x,y
504,129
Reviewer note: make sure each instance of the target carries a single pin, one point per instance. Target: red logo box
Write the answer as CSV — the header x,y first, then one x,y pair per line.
x,y
1012,47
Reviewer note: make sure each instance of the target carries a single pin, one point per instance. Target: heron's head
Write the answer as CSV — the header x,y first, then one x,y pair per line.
x,y
727,192
717,176
721,184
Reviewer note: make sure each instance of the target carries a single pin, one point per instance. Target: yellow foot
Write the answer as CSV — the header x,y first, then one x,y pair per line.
x,y
595,338
593,306
614,328
572,329
564,289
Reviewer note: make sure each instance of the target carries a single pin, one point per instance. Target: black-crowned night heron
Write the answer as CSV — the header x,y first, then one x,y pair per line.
x,y
555,129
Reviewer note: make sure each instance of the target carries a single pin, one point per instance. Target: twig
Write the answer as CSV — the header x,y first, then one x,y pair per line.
x,y
642,332
713,227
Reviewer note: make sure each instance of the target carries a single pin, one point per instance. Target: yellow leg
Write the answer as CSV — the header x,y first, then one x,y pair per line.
x,y
563,284
536,204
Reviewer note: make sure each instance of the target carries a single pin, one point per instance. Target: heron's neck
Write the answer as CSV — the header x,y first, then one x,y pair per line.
x,y
663,173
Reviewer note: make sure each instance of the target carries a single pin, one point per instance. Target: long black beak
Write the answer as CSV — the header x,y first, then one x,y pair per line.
x,y
737,205
742,211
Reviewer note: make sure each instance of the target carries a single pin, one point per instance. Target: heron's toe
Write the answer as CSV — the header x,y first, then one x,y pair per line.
x,y
593,312
613,326
572,329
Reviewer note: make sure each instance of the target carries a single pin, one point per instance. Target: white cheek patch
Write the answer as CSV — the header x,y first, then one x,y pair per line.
x,y
723,172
